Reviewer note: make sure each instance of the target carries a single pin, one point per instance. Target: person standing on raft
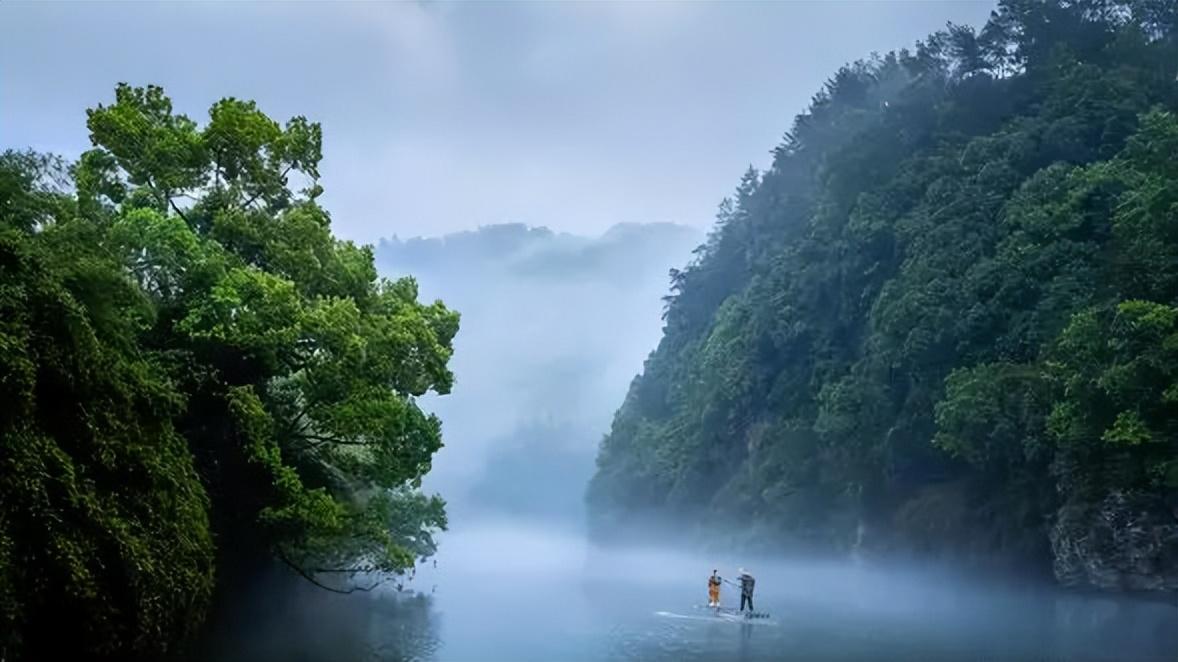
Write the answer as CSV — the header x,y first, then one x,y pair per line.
x,y
746,589
714,589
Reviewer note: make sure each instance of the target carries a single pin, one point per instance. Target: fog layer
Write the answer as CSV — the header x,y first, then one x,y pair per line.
x,y
502,590
553,328
542,359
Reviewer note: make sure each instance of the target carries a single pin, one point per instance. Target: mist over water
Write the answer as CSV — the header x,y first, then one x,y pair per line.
x,y
542,361
508,589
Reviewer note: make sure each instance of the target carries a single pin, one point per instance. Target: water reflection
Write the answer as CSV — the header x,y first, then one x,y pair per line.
x,y
515,593
283,618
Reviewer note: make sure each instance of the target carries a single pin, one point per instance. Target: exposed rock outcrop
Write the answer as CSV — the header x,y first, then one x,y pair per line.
x,y
1125,542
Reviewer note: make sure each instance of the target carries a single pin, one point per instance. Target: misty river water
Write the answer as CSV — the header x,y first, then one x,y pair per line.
x,y
507,591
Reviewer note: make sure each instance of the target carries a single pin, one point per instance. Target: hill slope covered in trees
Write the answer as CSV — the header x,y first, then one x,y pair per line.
x,y
945,320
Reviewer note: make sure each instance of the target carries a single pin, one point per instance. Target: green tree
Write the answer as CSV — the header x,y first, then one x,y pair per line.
x,y
189,357
307,364
104,536
1115,421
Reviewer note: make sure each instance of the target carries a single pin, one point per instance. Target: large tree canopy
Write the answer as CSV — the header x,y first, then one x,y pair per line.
x,y
189,357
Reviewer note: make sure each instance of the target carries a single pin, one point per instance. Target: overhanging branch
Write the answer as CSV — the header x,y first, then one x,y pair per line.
x,y
309,577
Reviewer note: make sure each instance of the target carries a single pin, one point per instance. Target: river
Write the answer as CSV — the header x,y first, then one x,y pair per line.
x,y
502,590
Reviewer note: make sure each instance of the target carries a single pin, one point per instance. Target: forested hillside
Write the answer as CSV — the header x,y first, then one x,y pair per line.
x,y
196,376
945,320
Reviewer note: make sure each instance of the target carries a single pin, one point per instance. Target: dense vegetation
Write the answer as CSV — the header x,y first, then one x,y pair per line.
x,y
196,374
945,320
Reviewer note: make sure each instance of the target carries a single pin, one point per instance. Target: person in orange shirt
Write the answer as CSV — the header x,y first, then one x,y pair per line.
x,y
714,589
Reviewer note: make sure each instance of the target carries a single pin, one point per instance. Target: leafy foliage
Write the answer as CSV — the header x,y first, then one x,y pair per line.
x,y
946,301
189,354
104,524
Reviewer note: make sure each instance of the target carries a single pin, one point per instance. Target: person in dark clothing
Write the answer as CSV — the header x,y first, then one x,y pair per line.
x,y
746,589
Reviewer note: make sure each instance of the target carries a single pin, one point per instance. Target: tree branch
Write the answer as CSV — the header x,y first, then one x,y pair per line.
x,y
294,422
249,202
177,210
167,196
321,440
259,193
307,576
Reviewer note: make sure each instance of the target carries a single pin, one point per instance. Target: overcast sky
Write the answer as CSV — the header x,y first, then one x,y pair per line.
x,y
442,117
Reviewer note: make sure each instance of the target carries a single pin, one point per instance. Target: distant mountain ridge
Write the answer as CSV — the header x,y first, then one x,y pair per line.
x,y
536,249
553,326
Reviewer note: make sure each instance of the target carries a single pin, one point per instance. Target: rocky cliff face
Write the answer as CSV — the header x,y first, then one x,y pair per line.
x,y
1126,542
